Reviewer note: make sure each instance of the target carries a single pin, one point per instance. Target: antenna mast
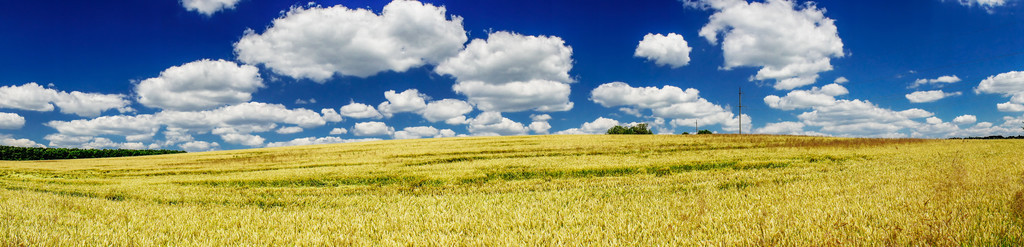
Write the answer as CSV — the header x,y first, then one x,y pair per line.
x,y
740,108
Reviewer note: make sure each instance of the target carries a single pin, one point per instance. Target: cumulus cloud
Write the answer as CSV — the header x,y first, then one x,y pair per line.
x,y
668,102
317,141
493,124
598,126
1009,84
89,142
330,115
199,146
988,5
417,132
791,43
410,100
234,123
929,96
540,95
289,130
665,50
319,42
7,140
11,121
801,99
1010,107
232,135
246,117
946,79
452,111
540,123
200,85
372,129
208,7
339,131
786,128
861,118
510,72
140,125
841,80
965,119
359,110
34,97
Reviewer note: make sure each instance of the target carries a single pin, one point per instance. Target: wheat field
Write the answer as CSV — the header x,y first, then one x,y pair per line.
x,y
531,190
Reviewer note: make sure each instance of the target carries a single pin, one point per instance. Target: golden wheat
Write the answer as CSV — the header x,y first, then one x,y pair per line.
x,y
531,190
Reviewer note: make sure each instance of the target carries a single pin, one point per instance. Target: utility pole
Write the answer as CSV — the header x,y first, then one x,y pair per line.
x,y
696,129
740,108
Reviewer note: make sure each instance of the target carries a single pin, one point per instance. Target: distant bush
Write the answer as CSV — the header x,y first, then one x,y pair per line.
x,y
639,129
22,153
686,133
704,132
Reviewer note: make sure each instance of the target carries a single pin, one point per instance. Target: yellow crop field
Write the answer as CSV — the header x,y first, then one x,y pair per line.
x,y
532,190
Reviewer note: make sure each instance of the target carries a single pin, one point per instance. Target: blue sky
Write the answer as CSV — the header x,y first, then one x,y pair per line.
x,y
228,74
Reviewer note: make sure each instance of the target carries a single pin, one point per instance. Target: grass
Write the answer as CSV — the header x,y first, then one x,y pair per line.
x,y
532,190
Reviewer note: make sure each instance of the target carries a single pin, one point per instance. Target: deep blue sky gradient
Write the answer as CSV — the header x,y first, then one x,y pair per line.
x,y
103,46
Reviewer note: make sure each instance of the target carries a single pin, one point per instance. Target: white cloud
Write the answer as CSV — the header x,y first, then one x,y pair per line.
x,y
946,79
34,97
1009,84
598,126
665,50
785,128
88,142
118,125
841,80
330,115
416,132
358,110
200,85
317,141
668,102
540,127
11,121
318,42
493,124
445,133
509,57
208,7
372,129
1010,107
621,94
289,130
988,5
410,100
801,99
303,102
511,72
199,146
232,123
915,113
965,119
929,96
231,135
791,44
339,131
252,115
540,95
861,118
540,123
6,140
452,111
30,96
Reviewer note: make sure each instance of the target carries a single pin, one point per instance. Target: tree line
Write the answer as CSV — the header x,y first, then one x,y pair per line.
x,y
24,153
